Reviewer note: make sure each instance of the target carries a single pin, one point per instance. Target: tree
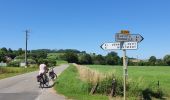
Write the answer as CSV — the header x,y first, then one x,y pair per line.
x,y
160,62
152,60
2,56
121,61
10,50
71,57
112,58
4,50
167,59
20,51
37,55
113,54
99,59
85,59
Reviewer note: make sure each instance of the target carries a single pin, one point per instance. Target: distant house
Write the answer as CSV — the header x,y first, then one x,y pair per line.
x,y
8,59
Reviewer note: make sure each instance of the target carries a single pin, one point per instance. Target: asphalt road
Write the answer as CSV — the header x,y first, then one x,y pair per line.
x,y
25,87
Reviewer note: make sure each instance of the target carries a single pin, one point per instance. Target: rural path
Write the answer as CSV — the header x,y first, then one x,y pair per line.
x,y
25,87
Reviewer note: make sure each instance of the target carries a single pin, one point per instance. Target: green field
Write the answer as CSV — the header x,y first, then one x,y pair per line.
x,y
57,57
146,75
12,71
54,55
59,62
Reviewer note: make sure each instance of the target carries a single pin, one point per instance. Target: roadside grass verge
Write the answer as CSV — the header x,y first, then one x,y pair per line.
x,y
13,71
70,85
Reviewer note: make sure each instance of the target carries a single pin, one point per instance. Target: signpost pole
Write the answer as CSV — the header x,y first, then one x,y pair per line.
x,y
124,41
124,72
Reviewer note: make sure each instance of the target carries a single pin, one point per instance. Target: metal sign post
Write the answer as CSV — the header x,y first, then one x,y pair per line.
x,y
125,72
124,41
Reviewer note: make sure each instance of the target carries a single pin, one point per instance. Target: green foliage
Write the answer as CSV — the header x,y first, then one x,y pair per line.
x,y
112,58
9,53
68,50
20,57
167,59
76,56
48,62
140,80
85,59
31,61
143,63
2,57
14,63
51,62
160,62
59,62
152,60
104,87
71,57
37,56
99,60
4,50
20,51
57,56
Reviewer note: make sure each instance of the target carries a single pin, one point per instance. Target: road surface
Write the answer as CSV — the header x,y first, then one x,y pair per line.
x,y
25,87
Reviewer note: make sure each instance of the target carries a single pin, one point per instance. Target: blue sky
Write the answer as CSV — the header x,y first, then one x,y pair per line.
x,y
85,24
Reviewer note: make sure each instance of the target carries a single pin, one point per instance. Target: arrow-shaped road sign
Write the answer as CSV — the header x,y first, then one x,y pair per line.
x,y
119,46
136,38
119,37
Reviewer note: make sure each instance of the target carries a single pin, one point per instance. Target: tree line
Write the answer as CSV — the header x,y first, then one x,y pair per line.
x,y
112,58
14,57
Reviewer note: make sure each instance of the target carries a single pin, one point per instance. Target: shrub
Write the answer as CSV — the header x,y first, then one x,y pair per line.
x,y
51,62
48,62
71,57
14,63
85,59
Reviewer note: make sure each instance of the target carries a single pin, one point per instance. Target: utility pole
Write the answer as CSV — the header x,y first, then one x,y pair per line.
x,y
26,43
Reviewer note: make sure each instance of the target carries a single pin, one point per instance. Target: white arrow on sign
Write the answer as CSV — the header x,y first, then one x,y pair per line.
x,y
119,46
119,37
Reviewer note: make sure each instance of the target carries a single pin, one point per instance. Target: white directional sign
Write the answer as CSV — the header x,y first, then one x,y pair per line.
x,y
122,37
119,37
119,46
124,41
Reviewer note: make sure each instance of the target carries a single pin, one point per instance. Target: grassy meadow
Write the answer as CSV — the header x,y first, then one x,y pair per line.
x,y
57,57
145,76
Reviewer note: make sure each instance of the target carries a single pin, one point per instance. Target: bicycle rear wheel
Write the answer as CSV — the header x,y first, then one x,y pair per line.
x,y
41,83
47,82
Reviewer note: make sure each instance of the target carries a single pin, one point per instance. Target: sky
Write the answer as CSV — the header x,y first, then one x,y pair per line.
x,y
86,24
